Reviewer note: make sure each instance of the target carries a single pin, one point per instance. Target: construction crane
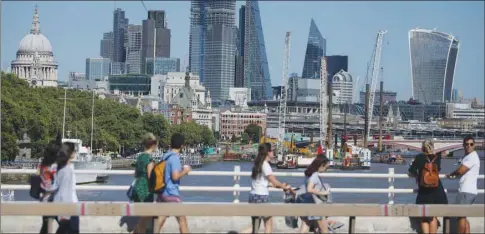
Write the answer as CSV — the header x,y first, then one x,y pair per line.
x,y
323,100
282,106
375,74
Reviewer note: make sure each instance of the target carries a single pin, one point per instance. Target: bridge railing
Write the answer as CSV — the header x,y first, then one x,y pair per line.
x,y
172,209
236,188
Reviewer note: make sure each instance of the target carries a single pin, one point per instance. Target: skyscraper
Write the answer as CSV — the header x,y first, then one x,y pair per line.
x,y
335,63
97,68
433,57
256,70
120,26
156,37
211,45
133,48
106,45
315,49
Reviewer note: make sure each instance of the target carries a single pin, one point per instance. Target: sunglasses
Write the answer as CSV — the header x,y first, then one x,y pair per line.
x,y
469,144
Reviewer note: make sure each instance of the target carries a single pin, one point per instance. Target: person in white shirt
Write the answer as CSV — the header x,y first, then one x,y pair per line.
x,y
66,193
468,172
261,176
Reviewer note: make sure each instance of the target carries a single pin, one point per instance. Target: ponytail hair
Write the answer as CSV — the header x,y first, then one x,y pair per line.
x,y
258,161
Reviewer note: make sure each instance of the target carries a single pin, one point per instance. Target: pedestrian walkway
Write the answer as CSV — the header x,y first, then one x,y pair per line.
x,y
30,224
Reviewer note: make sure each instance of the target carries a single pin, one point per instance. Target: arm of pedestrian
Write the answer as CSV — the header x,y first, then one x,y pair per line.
x,y
311,189
277,184
150,169
458,172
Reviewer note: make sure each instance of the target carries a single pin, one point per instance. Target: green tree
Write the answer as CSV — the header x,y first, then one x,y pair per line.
x,y
254,131
158,125
233,138
245,138
207,136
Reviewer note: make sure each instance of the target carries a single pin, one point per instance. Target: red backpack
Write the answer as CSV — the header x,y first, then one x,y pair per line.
x,y
430,175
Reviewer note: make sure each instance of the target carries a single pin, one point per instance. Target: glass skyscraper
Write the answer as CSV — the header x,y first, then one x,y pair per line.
x,y
433,57
211,45
256,70
315,49
162,66
97,68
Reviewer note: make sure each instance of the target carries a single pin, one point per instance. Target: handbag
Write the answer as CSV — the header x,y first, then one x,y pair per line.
x,y
131,191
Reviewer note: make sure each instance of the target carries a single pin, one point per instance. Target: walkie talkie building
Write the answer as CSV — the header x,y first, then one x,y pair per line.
x,y
433,58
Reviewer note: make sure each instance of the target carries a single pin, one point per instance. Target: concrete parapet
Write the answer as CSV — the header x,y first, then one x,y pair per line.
x,y
103,224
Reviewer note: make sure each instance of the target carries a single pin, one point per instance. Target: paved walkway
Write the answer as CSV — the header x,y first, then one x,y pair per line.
x,y
16,224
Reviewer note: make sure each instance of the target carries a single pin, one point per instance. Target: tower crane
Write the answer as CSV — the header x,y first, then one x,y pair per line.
x,y
282,106
375,74
323,100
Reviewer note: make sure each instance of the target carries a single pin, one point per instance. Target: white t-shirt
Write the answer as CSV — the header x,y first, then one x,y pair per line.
x,y
259,186
468,182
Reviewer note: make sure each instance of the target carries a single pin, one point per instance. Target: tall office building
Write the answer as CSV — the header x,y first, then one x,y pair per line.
x,y
133,48
211,45
107,46
97,68
239,60
315,49
433,57
120,26
256,70
336,63
156,37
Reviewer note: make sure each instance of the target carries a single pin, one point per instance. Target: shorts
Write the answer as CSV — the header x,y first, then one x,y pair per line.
x,y
465,198
256,198
168,199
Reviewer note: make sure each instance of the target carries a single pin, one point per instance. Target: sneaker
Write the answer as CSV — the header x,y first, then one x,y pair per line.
x,y
336,225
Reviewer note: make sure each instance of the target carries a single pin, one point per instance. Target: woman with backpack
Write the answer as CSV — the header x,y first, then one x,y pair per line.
x,y
66,193
425,168
261,176
47,172
143,170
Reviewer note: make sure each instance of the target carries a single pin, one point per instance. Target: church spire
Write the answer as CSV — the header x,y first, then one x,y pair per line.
x,y
35,22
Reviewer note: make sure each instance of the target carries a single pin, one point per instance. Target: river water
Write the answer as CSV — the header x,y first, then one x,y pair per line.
x,y
448,165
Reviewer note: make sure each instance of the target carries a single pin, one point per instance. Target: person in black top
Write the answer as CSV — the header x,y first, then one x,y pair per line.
x,y
426,195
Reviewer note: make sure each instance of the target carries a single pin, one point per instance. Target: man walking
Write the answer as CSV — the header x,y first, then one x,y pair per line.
x,y
468,172
173,173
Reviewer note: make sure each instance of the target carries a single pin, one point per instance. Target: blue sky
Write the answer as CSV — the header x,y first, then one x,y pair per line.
x,y
75,30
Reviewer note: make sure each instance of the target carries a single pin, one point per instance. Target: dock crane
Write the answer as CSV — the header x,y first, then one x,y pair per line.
x,y
375,74
323,100
282,105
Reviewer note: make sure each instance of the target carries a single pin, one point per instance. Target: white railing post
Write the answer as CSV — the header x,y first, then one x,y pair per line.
x,y
237,169
391,186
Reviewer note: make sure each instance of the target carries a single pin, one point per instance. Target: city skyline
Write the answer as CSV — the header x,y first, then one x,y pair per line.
x,y
352,37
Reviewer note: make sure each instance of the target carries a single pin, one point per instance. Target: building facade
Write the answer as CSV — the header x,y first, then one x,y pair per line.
x,y
35,60
387,96
336,63
130,84
211,45
97,69
106,45
156,37
162,66
433,57
316,48
235,123
255,67
133,48
342,86
120,27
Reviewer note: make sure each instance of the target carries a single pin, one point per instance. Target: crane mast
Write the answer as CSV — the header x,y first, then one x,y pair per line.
x,y
323,100
375,74
282,106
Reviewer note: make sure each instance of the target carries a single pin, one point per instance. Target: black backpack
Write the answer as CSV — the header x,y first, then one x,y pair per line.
x,y
35,189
